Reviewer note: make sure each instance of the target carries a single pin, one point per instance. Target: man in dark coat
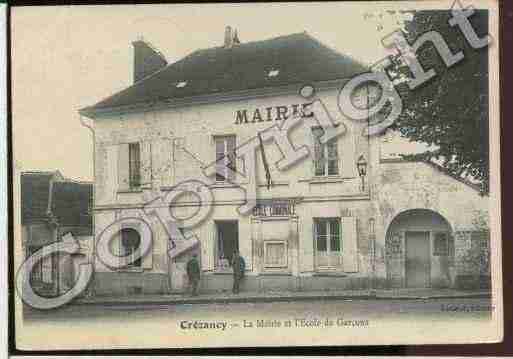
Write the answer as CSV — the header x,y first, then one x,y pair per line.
x,y
239,266
193,272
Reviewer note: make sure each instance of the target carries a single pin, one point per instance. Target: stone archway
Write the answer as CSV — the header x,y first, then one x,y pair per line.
x,y
419,250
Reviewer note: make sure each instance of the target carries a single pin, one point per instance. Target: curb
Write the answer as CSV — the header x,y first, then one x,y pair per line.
x,y
191,300
222,300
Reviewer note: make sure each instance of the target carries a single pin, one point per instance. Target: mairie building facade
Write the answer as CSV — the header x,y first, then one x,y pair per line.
x,y
351,215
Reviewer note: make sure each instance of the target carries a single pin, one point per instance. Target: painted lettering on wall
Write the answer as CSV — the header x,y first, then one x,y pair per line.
x,y
273,113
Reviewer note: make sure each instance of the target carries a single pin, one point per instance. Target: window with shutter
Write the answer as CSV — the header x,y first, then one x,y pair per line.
x,y
226,158
326,161
328,244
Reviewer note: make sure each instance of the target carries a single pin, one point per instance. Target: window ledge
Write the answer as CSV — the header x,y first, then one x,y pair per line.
x,y
138,190
275,218
225,185
327,179
274,183
327,273
210,185
131,270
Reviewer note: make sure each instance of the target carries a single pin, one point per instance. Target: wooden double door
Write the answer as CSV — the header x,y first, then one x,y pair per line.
x,y
418,260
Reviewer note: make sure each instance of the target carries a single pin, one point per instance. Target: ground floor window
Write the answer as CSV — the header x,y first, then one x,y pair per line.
x,y
441,244
275,254
227,242
328,242
130,243
479,240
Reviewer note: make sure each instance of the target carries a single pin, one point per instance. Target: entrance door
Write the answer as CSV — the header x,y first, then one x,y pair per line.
x,y
227,243
417,259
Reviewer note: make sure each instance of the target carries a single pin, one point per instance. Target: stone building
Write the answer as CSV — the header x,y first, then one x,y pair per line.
x,y
323,224
51,207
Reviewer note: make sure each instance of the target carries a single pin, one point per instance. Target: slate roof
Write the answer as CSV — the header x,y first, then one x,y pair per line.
x,y
72,203
35,190
300,58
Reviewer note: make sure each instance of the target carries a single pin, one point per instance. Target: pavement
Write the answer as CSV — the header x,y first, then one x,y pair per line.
x,y
282,296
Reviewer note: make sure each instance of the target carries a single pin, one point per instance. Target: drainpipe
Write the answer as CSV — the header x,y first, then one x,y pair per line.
x,y
372,239
93,254
53,224
372,220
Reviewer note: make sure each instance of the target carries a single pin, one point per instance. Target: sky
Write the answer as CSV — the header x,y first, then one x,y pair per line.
x,y
66,58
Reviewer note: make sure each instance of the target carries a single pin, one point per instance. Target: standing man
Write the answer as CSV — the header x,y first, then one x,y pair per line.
x,y
193,272
239,266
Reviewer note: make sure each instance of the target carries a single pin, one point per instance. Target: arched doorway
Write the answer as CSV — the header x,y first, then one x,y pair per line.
x,y
419,250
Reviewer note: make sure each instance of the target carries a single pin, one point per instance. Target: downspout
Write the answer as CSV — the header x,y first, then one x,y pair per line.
x,y
93,254
54,226
372,221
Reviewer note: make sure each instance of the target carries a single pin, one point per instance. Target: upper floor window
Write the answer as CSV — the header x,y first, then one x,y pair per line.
x,y
325,155
134,164
225,158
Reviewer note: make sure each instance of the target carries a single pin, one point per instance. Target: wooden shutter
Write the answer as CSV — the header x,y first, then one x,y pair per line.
x,y
146,165
313,152
231,156
246,242
147,260
123,167
116,243
349,244
307,246
209,238
348,155
162,162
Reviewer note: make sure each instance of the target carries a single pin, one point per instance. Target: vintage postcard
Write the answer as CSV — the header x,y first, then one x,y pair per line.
x,y
256,174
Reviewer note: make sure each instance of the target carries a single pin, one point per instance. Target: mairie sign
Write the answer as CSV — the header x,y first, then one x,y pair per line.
x,y
273,113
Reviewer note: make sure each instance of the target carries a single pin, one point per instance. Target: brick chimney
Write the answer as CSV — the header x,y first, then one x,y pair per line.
x,y
147,60
230,37
236,40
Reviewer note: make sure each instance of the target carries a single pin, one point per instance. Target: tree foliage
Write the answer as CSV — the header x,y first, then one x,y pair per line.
x,y
450,111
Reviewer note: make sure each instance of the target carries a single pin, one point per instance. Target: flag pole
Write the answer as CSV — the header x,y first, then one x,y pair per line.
x,y
264,160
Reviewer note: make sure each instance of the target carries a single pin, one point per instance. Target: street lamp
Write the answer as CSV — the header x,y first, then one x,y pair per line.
x,y
361,165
